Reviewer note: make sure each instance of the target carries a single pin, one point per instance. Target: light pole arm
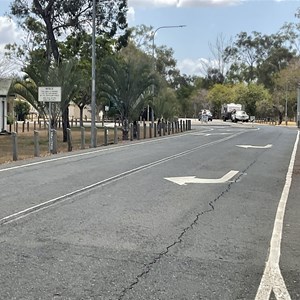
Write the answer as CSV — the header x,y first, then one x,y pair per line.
x,y
161,27
153,61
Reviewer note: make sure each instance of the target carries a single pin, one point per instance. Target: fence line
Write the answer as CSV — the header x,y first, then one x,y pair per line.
x,y
21,145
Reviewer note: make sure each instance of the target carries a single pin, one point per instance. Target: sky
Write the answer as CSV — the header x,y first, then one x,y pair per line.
x,y
204,20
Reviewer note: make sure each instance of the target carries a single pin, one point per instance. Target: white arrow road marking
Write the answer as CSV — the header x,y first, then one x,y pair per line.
x,y
209,134
272,278
255,147
201,133
193,179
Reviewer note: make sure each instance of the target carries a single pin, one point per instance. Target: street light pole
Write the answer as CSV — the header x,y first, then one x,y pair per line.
x,y
153,52
93,100
153,36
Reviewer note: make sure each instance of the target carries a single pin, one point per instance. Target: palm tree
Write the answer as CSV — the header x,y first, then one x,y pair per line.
x,y
126,83
63,75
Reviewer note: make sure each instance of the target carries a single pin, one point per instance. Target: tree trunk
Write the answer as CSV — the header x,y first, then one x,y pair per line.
x,y
65,123
125,129
81,115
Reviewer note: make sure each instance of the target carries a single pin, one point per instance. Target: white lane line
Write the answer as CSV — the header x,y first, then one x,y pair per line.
x,y
272,278
38,207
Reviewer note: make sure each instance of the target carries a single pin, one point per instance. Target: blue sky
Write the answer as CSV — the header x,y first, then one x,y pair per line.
x,y
205,20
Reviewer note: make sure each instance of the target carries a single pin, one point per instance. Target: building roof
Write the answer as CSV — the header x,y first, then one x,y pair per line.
x,y
5,84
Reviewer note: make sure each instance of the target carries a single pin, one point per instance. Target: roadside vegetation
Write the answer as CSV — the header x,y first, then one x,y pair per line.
x,y
260,71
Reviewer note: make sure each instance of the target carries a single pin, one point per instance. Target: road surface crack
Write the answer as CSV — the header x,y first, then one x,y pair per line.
x,y
179,239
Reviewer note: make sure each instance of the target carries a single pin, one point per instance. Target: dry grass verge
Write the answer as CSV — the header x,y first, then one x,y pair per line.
x,y
25,141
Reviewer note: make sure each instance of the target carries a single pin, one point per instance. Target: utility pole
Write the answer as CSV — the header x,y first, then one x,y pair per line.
x,y
93,100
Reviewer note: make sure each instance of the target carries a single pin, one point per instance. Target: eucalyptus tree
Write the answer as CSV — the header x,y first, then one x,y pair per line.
x,y
142,37
80,46
6,67
219,94
199,101
285,91
257,57
291,31
163,60
166,104
48,20
215,68
250,95
184,91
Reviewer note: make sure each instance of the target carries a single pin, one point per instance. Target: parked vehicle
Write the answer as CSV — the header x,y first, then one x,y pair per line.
x,y
228,109
240,116
205,113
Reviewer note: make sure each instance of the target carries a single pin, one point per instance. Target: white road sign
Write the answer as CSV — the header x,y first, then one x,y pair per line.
x,y
49,93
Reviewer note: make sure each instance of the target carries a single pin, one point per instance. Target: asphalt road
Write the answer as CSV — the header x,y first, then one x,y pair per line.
x,y
117,222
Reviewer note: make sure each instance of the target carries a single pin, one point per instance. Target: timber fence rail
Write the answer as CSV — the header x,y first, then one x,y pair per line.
x,y
33,139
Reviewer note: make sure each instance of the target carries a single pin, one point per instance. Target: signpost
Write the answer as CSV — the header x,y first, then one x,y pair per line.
x,y
49,94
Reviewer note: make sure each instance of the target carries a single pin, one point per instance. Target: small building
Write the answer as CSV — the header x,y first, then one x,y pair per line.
x,y
4,89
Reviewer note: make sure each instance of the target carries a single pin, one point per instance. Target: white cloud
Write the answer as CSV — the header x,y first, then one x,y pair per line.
x,y
9,32
149,3
130,14
182,3
191,66
195,3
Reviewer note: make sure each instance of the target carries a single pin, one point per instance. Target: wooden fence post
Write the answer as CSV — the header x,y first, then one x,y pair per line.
x,y
138,133
54,141
115,134
82,138
145,130
131,131
150,130
15,146
105,136
36,144
69,139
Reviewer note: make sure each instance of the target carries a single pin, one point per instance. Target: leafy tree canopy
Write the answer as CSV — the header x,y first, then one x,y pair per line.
x,y
257,57
47,21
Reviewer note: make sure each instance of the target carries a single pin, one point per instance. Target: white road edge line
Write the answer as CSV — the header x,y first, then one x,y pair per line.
x,y
111,148
41,206
272,278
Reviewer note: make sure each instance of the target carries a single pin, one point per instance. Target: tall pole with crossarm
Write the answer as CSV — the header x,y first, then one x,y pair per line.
x,y
153,52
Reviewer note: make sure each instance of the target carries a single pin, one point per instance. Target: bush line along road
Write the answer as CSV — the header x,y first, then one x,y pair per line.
x,y
211,213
